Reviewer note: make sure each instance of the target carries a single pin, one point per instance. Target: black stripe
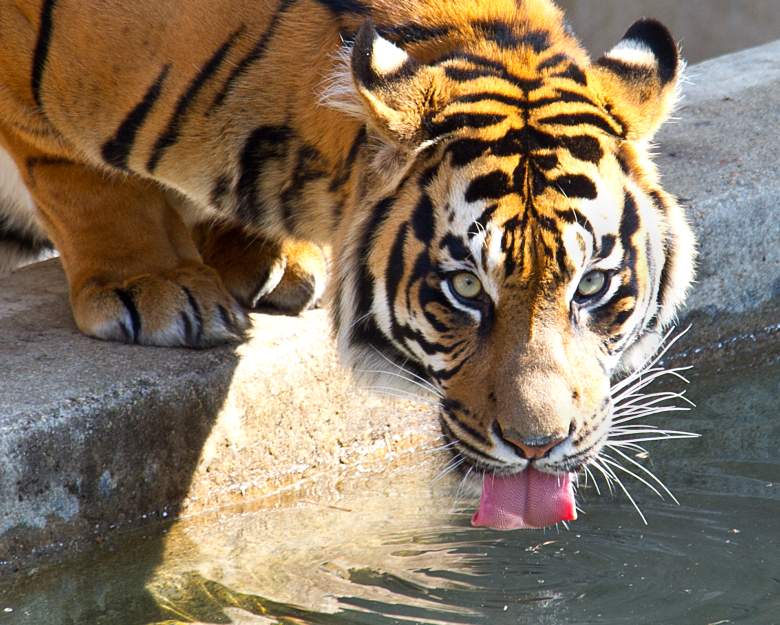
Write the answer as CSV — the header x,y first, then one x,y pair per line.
x,y
395,271
573,216
460,74
573,72
254,55
562,95
606,246
116,151
185,321
491,96
513,241
132,333
219,190
503,34
450,406
584,148
538,40
622,317
339,7
482,221
365,281
486,68
413,33
229,321
423,219
576,186
171,133
458,121
474,59
665,279
345,169
553,61
492,186
456,247
627,71
42,45
195,339
629,224
575,119
463,151
462,444
307,168
265,142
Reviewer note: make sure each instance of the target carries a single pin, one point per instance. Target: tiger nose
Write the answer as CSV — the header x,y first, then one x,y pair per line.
x,y
531,446
537,446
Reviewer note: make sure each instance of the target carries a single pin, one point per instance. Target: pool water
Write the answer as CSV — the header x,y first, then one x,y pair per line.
x,y
400,549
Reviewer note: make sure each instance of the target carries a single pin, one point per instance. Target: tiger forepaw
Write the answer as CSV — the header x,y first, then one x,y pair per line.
x,y
299,286
187,307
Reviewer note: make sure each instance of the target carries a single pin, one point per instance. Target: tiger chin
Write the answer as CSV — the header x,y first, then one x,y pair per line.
x,y
500,239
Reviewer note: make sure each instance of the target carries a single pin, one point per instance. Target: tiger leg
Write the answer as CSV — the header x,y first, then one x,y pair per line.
x,y
134,271
289,275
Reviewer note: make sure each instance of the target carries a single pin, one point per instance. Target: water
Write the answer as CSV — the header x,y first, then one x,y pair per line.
x,y
400,548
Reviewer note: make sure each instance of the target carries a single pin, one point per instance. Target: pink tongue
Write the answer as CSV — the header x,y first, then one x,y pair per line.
x,y
529,499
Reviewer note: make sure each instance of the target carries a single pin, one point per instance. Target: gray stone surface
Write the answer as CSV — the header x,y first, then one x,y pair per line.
x,y
95,435
721,157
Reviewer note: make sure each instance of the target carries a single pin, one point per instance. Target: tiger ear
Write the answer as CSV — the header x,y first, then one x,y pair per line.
x,y
396,92
639,78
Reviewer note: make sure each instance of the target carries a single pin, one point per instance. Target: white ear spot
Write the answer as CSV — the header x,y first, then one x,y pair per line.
x,y
634,52
386,57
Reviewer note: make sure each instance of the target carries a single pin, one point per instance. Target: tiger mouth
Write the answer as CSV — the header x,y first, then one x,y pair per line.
x,y
473,458
529,493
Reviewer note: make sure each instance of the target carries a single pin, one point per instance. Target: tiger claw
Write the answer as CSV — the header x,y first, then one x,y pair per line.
x,y
188,307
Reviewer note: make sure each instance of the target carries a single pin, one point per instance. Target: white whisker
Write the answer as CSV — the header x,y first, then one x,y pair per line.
x,y
614,463
649,473
450,467
654,399
622,486
659,438
398,393
461,484
626,430
606,475
663,347
421,379
633,417
412,381
588,473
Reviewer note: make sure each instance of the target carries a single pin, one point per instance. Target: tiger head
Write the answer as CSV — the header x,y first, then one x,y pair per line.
x,y
510,248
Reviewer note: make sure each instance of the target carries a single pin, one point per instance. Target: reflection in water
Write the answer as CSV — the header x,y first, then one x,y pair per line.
x,y
397,553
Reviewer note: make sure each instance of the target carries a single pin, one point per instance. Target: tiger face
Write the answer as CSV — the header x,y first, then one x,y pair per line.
x,y
515,250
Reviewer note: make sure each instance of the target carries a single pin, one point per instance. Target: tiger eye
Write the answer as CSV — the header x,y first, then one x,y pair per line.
x,y
592,283
466,284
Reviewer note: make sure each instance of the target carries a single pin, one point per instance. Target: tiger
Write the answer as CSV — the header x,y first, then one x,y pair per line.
x,y
479,190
